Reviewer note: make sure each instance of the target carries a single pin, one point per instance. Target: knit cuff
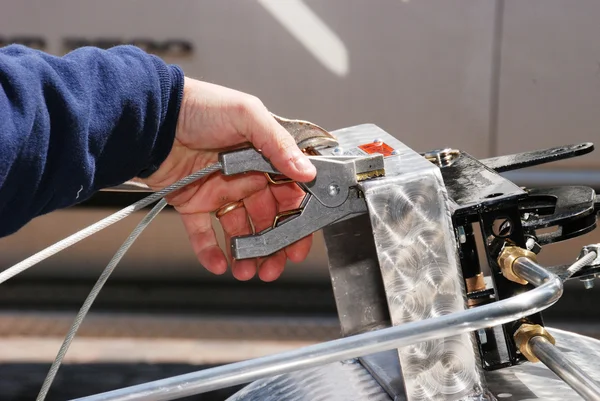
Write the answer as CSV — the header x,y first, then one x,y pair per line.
x,y
171,84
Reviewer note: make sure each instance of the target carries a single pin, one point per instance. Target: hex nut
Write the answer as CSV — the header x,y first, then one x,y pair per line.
x,y
525,333
507,258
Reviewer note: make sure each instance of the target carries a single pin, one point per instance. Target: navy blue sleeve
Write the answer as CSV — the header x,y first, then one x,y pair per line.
x,y
72,125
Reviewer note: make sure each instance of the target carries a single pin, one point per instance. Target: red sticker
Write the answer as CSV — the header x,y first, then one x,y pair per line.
x,y
377,147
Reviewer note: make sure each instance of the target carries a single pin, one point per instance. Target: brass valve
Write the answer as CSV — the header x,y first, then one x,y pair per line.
x,y
524,335
507,258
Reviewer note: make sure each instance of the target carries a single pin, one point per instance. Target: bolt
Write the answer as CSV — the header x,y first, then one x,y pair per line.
x,y
462,236
442,157
378,141
333,189
395,152
588,282
338,151
482,336
532,245
529,243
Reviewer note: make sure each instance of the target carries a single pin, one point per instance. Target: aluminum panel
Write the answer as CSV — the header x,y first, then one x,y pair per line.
x,y
342,381
525,382
411,223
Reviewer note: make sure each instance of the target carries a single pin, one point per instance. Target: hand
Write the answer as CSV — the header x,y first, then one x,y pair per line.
x,y
212,119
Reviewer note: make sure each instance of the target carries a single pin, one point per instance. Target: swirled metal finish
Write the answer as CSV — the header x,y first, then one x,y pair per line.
x,y
416,250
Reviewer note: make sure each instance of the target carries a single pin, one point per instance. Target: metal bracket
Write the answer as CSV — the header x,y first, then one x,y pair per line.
x,y
331,196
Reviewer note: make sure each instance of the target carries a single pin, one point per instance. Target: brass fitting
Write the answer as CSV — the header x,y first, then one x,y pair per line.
x,y
525,333
507,258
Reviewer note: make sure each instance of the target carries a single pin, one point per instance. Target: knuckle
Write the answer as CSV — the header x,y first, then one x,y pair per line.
x,y
254,103
248,106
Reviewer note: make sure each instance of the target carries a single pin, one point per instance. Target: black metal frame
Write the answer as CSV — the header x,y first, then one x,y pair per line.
x,y
483,196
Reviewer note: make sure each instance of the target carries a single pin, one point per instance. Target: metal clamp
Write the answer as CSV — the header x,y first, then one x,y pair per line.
x,y
332,196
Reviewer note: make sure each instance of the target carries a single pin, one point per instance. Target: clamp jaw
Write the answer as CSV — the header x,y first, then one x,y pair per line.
x,y
331,197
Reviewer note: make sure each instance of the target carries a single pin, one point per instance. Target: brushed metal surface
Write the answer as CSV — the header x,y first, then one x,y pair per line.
x,y
342,381
518,383
411,223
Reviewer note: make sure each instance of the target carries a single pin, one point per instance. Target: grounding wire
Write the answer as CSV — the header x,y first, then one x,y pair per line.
x,y
93,294
102,224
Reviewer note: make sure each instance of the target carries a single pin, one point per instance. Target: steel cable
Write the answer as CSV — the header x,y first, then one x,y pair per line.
x,y
93,294
106,222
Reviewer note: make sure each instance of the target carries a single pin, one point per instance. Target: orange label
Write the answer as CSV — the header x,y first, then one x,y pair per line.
x,y
377,147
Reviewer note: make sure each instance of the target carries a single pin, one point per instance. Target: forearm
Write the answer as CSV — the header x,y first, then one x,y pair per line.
x,y
72,125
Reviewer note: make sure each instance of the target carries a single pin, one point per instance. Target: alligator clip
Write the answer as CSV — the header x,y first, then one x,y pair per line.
x,y
331,197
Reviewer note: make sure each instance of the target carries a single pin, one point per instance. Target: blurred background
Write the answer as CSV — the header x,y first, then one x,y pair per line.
x,y
489,77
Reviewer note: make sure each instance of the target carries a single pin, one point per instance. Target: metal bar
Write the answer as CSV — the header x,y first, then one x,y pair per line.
x,y
421,273
549,291
564,368
355,276
532,272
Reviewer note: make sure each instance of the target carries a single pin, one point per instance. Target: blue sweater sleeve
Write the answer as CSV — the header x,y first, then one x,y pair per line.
x,y
72,125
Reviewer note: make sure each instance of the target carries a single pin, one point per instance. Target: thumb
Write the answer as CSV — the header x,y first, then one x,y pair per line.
x,y
276,144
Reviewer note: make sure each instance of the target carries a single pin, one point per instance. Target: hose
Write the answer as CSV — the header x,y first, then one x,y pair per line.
x,y
106,222
93,294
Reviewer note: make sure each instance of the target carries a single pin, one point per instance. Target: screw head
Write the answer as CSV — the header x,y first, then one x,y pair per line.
x,y
378,141
532,245
333,189
338,150
395,152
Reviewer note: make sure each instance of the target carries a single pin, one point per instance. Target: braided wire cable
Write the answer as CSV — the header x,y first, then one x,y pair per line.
x,y
581,263
93,294
106,222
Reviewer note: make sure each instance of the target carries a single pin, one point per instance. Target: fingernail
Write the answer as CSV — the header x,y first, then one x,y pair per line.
x,y
304,165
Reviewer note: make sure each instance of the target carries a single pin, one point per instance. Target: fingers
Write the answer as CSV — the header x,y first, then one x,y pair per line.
x,y
200,200
298,251
216,191
290,196
275,142
262,208
271,268
236,223
227,117
204,242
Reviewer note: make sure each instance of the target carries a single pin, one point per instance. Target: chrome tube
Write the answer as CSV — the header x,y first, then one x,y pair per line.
x,y
549,291
532,272
570,373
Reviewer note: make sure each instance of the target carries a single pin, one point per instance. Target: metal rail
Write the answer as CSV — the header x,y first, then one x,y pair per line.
x,y
564,368
549,290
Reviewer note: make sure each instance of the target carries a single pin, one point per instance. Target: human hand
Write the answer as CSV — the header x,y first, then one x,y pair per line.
x,y
213,119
